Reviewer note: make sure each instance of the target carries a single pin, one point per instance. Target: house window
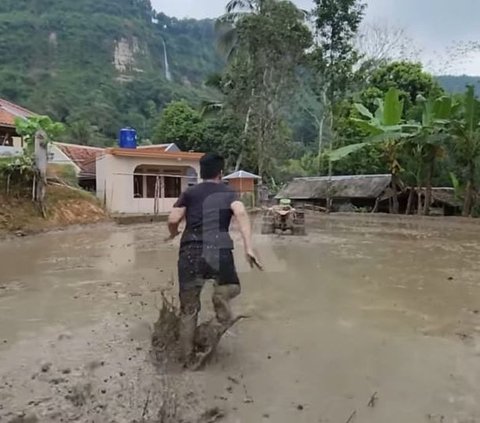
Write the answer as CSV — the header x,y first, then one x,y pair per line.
x,y
173,187
151,180
138,186
152,186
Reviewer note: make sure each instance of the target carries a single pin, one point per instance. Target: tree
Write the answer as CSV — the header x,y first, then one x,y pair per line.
x,y
336,22
38,131
386,127
181,124
409,78
80,132
226,25
261,76
379,43
466,133
430,144
28,128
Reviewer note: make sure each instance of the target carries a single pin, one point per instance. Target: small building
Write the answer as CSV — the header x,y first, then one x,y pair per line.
x,y
245,184
11,144
144,180
347,193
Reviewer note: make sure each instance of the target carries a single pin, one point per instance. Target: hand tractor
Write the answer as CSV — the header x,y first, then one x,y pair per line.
x,y
283,217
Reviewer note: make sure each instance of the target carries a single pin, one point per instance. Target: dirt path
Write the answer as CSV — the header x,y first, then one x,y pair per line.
x,y
361,306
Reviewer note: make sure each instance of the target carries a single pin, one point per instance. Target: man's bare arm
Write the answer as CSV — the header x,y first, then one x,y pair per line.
x,y
174,220
241,214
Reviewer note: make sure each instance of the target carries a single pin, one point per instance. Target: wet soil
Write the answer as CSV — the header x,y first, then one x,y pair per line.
x,y
366,319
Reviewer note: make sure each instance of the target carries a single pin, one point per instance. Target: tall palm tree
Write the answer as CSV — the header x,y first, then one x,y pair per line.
x,y
226,24
466,132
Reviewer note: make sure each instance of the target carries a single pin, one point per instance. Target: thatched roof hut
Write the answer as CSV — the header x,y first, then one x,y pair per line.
x,y
338,187
447,197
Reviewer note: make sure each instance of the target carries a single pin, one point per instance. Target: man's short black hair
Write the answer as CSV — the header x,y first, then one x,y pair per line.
x,y
211,166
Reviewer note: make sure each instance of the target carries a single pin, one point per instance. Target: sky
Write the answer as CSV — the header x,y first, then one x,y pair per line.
x,y
434,25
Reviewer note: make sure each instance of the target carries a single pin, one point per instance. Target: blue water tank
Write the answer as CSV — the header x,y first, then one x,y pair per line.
x,y
127,138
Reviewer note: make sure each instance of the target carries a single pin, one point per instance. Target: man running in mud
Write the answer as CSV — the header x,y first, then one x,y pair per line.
x,y
206,248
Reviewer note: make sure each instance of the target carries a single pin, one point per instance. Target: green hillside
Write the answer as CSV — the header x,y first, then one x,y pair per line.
x,y
457,84
101,63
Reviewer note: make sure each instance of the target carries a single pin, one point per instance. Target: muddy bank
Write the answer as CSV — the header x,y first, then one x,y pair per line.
x,y
65,207
357,307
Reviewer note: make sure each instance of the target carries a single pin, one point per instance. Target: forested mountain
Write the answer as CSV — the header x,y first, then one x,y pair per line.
x,y
100,64
456,84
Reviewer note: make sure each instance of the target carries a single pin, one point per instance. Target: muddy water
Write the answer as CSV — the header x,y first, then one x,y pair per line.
x,y
361,306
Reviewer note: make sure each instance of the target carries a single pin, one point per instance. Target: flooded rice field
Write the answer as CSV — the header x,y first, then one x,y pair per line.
x,y
366,319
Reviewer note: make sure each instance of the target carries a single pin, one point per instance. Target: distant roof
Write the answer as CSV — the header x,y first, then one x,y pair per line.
x,y
10,111
355,186
83,156
171,147
241,174
445,195
148,153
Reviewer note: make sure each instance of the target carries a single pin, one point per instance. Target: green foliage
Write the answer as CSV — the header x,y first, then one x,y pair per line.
x,y
16,175
58,60
29,127
336,23
466,134
407,77
270,46
181,124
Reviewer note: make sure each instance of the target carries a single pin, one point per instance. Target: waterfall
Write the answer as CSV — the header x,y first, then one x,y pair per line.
x,y
168,75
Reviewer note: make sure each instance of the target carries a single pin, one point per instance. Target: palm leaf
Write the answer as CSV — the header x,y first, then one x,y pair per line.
x,y
234,5
393,108
442,108
341,153
371,127
363,111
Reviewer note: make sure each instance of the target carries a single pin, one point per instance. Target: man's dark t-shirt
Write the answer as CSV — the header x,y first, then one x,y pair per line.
x,y
208,215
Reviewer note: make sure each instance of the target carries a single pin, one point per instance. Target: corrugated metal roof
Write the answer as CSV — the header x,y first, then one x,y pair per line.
x,y
171,147
241,174
348,186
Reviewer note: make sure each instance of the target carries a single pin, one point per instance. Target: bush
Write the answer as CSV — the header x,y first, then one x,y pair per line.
x,y
16,176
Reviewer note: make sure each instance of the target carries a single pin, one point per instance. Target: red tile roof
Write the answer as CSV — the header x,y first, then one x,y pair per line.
x,y
9,112
83,156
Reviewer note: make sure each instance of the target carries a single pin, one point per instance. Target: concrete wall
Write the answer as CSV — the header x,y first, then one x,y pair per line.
x,y
115,183
10,151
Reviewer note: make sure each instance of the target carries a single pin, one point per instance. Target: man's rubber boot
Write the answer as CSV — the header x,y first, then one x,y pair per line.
x,y
188,324
222,295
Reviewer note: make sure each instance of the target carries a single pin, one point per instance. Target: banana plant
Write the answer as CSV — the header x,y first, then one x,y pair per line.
x,y
429,145
387,127
466,133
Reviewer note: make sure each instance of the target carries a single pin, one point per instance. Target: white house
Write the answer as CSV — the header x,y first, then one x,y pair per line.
x,y
146,180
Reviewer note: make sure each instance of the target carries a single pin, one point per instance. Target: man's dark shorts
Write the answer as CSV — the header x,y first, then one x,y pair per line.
x,y
197,264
